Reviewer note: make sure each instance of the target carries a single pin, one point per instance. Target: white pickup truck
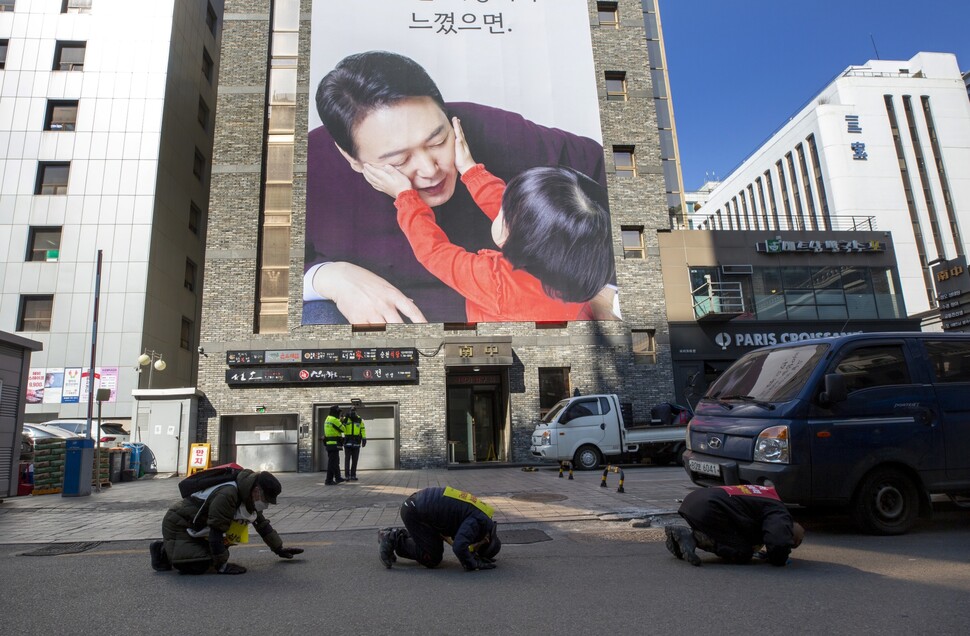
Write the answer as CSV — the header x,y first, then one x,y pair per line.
x,y
588,428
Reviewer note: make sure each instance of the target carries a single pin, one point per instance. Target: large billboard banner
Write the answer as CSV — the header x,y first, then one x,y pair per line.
x,y
455,169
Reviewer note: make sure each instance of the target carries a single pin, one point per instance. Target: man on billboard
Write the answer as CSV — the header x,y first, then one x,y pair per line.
x,y
382,108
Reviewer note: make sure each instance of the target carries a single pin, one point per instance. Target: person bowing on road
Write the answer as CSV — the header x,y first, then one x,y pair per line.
x,y
435,515
736,523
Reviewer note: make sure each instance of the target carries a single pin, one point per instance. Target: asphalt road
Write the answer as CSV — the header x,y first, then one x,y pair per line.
x,y
588,577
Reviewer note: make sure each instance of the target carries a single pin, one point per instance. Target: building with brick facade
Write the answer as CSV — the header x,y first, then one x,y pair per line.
x,y
430,393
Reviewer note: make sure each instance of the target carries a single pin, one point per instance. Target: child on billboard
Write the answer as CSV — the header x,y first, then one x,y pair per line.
x,y
551,226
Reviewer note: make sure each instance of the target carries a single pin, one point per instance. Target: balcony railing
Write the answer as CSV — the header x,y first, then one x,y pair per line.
x,y
847,222
718,301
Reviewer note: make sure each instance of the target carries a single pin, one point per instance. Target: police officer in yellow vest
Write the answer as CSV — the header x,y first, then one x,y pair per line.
x,y
355,437
435,515
333,430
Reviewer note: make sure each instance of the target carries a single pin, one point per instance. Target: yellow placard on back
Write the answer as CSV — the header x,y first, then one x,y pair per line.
x,y
198,458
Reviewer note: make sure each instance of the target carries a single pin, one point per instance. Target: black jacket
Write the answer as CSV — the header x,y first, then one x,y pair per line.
x,y
451,517
738,522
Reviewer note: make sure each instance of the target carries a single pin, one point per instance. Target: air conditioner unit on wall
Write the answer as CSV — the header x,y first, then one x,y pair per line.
x,y
737,269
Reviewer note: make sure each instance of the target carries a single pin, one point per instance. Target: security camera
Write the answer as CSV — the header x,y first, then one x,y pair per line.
x,y
203,353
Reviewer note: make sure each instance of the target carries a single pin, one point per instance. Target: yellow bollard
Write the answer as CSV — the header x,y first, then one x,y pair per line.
x,y
613,469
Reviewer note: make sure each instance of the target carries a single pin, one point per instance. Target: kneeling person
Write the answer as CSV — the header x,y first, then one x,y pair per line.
x,y
734,522
194,529
435,515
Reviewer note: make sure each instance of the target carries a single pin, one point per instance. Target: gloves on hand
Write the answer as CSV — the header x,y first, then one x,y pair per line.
x,y
231,568
288,553
481,564
363,443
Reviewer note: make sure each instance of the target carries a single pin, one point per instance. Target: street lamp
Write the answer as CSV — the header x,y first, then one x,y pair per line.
x,y
153,358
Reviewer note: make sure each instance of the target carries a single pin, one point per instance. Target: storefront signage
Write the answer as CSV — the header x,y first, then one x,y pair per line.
x,y
952,282
778,245
321,356
321,375
474,379
474,352
722,341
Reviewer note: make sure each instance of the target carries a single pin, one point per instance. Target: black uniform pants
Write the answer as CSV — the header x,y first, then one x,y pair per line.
x,y
351,453
333,463
422,543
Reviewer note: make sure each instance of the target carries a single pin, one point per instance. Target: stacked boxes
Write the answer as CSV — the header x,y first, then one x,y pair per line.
x,y
101,468
48,466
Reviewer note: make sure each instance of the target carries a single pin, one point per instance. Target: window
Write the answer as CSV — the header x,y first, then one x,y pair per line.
x,y
553,386
189,275
552,324
866,367
644,346
3,53
206,65
460,326
35,313
581,408
185,340
616,86
211,19
52,178
195,218
203,114
950,360
632,242
7,5
624,161
366,328
69,56
198,165
76,6
43,244
61,115
608,15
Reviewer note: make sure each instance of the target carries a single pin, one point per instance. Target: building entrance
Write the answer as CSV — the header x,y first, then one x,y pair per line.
x,y
477,424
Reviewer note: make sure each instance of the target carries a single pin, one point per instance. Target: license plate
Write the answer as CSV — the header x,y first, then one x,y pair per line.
x,y
706,468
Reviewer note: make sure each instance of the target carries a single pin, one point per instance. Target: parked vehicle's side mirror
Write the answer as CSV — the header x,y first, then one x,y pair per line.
x,y
835,390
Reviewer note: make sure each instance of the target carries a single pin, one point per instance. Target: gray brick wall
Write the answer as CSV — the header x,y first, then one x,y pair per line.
x,y
598,354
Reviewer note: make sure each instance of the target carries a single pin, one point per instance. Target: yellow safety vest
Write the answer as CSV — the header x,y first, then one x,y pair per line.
x,y
469,498
332,429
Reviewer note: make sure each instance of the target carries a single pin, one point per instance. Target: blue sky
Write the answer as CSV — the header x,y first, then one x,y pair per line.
x,y
739,69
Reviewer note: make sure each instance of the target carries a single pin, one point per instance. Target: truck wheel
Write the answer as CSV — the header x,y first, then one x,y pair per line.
x,y
886,502
679,454
587,458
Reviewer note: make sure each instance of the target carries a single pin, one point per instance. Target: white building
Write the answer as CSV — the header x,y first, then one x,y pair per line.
x,y
886,143
106,118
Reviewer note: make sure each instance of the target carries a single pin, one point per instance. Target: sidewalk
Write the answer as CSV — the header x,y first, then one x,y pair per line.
x,y
134,510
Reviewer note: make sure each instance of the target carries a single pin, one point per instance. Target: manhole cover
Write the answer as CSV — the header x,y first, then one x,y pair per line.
x,y
62,548
539,497
522,536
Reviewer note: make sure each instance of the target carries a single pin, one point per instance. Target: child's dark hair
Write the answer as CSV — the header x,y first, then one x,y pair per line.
x,y
559,231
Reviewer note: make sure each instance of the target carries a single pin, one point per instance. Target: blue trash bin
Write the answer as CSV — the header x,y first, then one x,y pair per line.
x,y
78,463
135,463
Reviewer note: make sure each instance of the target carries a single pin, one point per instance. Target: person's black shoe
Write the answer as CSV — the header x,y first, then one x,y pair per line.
x,y
159,559
329,483
338,480
684,540
387,538
672,545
